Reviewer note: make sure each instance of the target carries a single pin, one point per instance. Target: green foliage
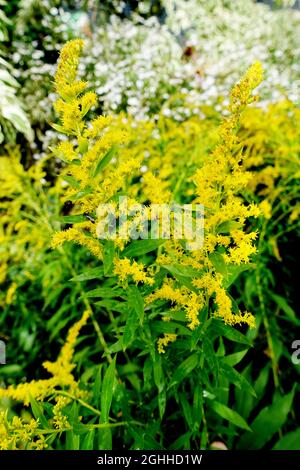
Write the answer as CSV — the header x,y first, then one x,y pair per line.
x,y
12,115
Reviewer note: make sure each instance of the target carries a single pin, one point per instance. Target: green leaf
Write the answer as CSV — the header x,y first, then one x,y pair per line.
x,y
111,304
228,414
108,256
169,327
268,422
229,272
181,271
72,436
116,347
261,381
233,272
130,328
210,356
59,128
88,441
72,440
79,428
197,406
228,226
183,274
105,439
184,369
218,328
218,263
136,302
159,381
290,441
182,442
72,219
97,386
38,413
237,379
95,273
105,160
234,358
11,369
244,401
81,194
141,247
284,306
107,391
187,410
105,292
13,112
72,181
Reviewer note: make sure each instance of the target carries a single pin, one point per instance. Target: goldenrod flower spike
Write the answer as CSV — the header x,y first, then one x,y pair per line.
x,y
61,370
72,105
240,94
124,268
18,434
162,343
219,182
65,77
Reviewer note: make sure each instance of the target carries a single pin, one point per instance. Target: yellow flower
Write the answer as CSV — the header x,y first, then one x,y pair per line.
x,y
213,285
77,236
60,421
16,434
100,172
61,371
11,292
3,272
67,70
190,301
156,189
241,93
65,151
124,268
266,209
162,343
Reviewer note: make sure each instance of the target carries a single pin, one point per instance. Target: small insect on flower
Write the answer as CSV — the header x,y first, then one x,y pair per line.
x,y
89,217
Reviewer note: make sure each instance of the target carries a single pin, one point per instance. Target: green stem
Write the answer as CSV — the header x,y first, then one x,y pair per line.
x,y
82,402
89,307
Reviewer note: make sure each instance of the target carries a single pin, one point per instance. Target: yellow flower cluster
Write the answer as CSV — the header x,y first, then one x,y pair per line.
x,y
60,421
97,172
241,94
78,236
26,218
213,286
271,139
222,177
266,209
162,343
124,267
94,169
61,371
18,434
155,189
219,181
191,302
10,293
72,106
